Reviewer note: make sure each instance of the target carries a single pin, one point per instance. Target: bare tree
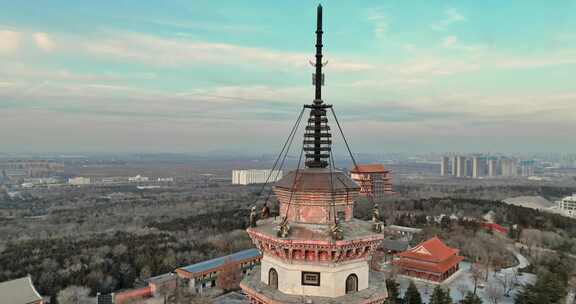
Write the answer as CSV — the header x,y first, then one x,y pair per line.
x,y
74,295
494,293
532,238
508,281
462,289
476,275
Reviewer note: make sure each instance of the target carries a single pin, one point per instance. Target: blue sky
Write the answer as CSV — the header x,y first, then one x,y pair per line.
x,y
194,76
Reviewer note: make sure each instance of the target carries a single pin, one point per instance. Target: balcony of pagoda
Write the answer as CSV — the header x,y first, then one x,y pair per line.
x,y
258,292
313,243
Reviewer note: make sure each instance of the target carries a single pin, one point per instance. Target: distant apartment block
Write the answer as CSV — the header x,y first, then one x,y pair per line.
x,y
527,168
480,166
509,167
19,169
461,166
253,176
444,166
492,167
374,180
138,179
453,168
567,205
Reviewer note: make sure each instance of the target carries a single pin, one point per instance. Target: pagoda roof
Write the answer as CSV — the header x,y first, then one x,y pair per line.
x,y
369,168
433,250
19,291
317,179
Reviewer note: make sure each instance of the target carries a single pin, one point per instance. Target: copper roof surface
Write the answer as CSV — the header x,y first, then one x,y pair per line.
x,y
312,179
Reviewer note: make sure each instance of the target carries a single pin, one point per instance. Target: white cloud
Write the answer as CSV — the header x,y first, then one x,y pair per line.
x,y
9,41
176,52
452,42
380,22
449,41
44,42
451,16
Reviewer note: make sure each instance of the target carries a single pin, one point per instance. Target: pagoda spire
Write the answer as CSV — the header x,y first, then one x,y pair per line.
x,y
318,76
317,139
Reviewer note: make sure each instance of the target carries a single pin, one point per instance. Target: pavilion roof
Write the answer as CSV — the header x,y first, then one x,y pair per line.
x,y
369,168
440,267
433,250
19,291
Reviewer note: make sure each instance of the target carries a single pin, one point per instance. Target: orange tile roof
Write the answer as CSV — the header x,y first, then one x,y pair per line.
x,y
432,267
433,250
369,168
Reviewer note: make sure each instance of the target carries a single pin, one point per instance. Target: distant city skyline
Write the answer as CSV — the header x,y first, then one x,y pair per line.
x,y
200,76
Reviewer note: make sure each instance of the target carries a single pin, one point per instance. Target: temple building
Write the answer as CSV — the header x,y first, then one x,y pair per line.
x,y
431,260
374,180
315,251
203,275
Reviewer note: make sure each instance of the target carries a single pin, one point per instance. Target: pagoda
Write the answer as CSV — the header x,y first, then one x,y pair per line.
x,y
315,251
430,260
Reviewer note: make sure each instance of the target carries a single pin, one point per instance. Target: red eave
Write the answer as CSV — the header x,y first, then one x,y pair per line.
x,y
432,250
431,267
369,168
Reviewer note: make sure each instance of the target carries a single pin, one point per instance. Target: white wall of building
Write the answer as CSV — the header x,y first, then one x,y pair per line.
x,y
78,181
568,205
332,277
247,177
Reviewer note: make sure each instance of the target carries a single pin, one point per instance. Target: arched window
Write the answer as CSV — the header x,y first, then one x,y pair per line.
x,y
351,283
273,278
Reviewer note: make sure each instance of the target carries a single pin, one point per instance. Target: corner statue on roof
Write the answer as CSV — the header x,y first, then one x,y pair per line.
x,y
265,213
253,217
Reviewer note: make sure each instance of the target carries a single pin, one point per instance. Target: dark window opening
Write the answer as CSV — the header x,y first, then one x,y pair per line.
x,y
310,278
273,278
352,283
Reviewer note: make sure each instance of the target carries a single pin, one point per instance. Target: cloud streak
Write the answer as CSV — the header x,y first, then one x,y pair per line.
x,y
9,41
380,22
44,42
160,51
451,16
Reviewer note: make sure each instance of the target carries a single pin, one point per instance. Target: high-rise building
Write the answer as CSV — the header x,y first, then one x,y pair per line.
x,y
478,167
527,168
315,251
509,167
461,166
492,167
247,177
454,160
444,165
